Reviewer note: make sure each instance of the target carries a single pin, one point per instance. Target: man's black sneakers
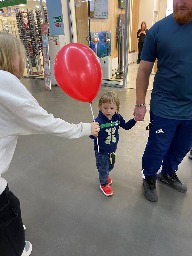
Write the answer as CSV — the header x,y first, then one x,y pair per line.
x,y
149,187
172,181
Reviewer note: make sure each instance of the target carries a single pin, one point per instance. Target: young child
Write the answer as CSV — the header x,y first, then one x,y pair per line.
x,y
20,114
106,144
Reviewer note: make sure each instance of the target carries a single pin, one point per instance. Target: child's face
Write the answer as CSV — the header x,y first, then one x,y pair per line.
x,y
108,109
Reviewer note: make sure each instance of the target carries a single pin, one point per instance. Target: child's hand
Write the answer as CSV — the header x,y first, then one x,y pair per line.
x,y
95,129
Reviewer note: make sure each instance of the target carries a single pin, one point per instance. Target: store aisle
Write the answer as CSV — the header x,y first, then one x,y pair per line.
x,y
62,206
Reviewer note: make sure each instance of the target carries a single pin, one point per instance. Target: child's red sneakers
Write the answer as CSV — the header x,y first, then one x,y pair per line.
x,y
107,190
109,180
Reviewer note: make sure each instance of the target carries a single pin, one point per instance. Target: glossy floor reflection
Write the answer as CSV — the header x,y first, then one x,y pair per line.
x,y
62,206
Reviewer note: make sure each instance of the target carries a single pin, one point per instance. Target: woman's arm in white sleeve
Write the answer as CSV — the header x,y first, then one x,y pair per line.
x,y
36,120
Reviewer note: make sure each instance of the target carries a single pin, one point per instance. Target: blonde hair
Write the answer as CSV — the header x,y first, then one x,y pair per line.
x,y
10,46
109,97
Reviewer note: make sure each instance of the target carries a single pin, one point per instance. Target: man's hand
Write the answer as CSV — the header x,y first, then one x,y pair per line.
x,y
139,113
95,129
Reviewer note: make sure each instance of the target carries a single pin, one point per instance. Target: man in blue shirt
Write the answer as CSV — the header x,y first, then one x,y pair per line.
x,y
170,137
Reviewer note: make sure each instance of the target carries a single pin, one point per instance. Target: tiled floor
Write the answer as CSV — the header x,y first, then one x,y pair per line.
x,y
132,71
65,212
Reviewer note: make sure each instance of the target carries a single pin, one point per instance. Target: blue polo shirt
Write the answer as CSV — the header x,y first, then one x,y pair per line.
x,y
171,44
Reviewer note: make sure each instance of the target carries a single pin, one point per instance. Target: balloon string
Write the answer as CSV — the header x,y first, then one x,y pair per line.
x,y
94,121
92,112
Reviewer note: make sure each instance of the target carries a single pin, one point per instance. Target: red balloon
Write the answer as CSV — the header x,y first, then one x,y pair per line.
x,y
78,71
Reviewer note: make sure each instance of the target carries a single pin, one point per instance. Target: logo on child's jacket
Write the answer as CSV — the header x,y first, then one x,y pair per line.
x,y
111,135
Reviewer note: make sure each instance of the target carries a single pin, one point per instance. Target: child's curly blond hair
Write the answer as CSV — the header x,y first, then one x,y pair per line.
x,y
109,97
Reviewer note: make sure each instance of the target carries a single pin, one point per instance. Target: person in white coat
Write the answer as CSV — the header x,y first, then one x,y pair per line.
x,y
21,114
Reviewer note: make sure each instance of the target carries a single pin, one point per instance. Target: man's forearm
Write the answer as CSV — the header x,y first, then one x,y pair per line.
x,y
142,81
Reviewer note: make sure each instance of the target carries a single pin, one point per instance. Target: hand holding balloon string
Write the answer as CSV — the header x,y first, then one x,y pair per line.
x,y
97,123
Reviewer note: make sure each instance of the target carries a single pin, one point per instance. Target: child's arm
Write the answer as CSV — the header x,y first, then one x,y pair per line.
x,y
127,125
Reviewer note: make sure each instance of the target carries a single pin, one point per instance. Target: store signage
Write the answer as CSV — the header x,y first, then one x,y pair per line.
x,y
55,17
99,9
5,3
